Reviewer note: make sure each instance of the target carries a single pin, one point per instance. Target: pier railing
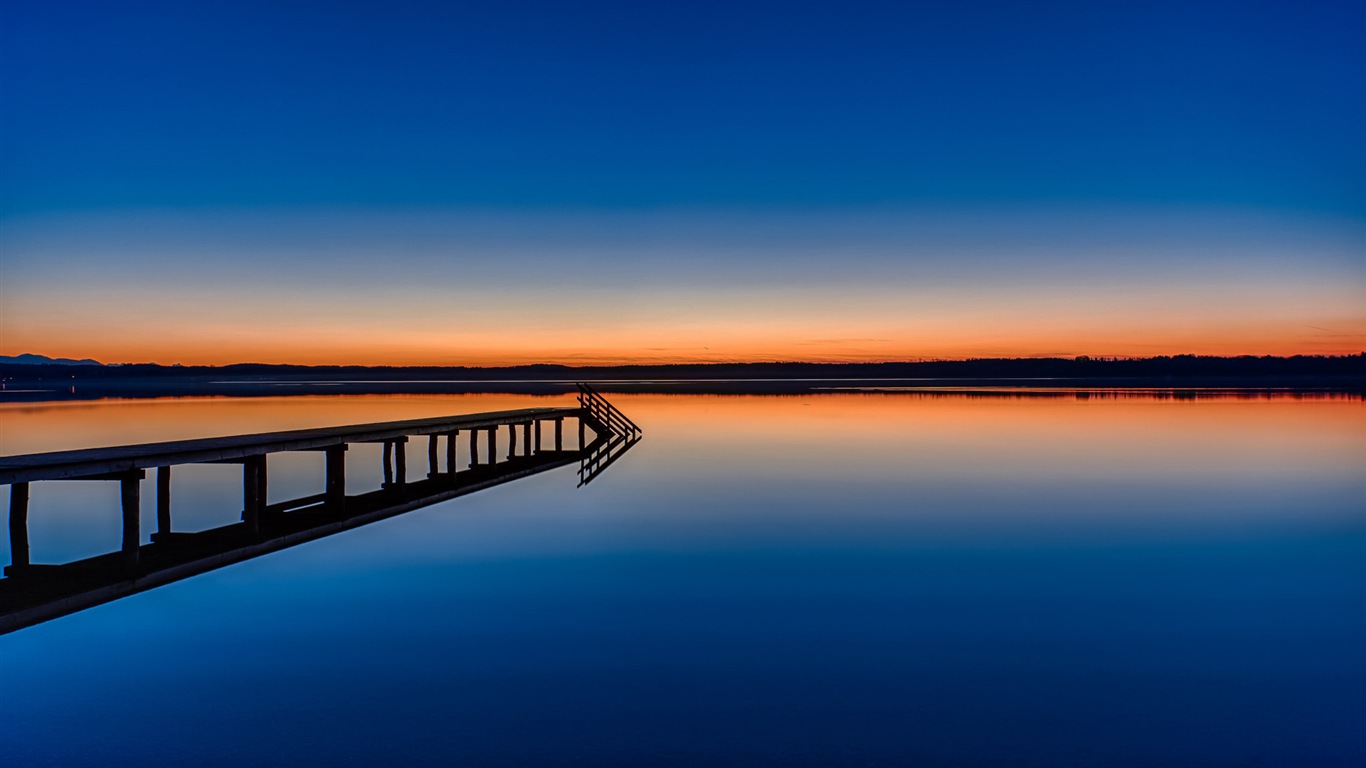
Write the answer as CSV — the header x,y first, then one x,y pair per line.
x,y
605,413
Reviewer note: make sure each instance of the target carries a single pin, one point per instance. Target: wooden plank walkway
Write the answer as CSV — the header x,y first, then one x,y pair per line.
x,y
88,462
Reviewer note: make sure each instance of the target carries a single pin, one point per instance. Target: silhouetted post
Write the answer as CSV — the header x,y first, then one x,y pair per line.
x,y
261,480
474,448
401,460
335,483
163,499
18,525
388,460
493,445
526,439
512,441
580,433
559,434
132,507
450,452
432,468
253,491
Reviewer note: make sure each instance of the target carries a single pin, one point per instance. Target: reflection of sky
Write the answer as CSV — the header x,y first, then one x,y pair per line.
x,y
911,579
503,183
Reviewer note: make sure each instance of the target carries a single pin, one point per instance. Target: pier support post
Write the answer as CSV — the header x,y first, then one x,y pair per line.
x,y
493,445
253,491
131,501
580,433
395,461
450,452
512,441
433,468
335,484
163,499
559,434
474,448
18,525
526,437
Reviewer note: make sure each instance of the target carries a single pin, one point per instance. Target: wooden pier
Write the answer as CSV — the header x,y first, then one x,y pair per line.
x,y
32,593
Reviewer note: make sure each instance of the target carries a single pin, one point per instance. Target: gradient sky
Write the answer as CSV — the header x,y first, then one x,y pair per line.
x,y
449,183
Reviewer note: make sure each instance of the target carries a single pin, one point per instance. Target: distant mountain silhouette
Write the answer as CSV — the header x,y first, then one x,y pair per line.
x,y
29,359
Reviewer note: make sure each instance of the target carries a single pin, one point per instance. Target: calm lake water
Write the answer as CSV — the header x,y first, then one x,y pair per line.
x,y
835,579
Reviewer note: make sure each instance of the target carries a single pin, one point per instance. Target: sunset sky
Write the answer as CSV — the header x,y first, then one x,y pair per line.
x,y
450,183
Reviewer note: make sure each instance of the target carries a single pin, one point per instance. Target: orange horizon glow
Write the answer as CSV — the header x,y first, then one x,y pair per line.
x,y
861,323
458,288
875,324
760,345
133,356
245,354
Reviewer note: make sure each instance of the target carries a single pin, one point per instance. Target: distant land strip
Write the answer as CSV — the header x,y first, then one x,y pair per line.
x,y
89,380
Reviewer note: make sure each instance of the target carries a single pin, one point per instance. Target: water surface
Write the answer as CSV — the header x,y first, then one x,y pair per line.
x,y
882,578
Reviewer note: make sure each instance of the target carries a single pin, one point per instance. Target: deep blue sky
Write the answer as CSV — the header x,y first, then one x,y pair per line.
x,y
501,182
629,104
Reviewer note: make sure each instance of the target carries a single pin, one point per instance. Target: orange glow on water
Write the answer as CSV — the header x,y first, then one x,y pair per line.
x,y
959,460
1059,429
59,426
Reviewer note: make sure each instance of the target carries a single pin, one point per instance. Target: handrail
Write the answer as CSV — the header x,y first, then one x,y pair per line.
x,y
604,412
614,422
610,410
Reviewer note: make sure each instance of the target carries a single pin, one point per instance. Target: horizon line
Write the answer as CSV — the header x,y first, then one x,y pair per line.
x,y
74,362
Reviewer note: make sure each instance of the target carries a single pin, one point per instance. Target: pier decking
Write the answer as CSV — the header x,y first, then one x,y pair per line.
x,y
33,593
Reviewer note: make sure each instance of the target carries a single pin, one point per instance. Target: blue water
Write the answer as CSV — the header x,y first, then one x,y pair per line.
x,y
843,579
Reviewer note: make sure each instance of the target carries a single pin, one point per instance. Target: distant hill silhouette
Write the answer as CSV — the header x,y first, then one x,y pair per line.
x,y
28,359
52,380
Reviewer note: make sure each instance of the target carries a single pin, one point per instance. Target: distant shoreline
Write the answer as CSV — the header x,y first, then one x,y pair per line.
x,y
1190,375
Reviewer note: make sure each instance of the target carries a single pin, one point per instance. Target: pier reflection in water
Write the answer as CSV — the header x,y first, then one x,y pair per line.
x,y
32,593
